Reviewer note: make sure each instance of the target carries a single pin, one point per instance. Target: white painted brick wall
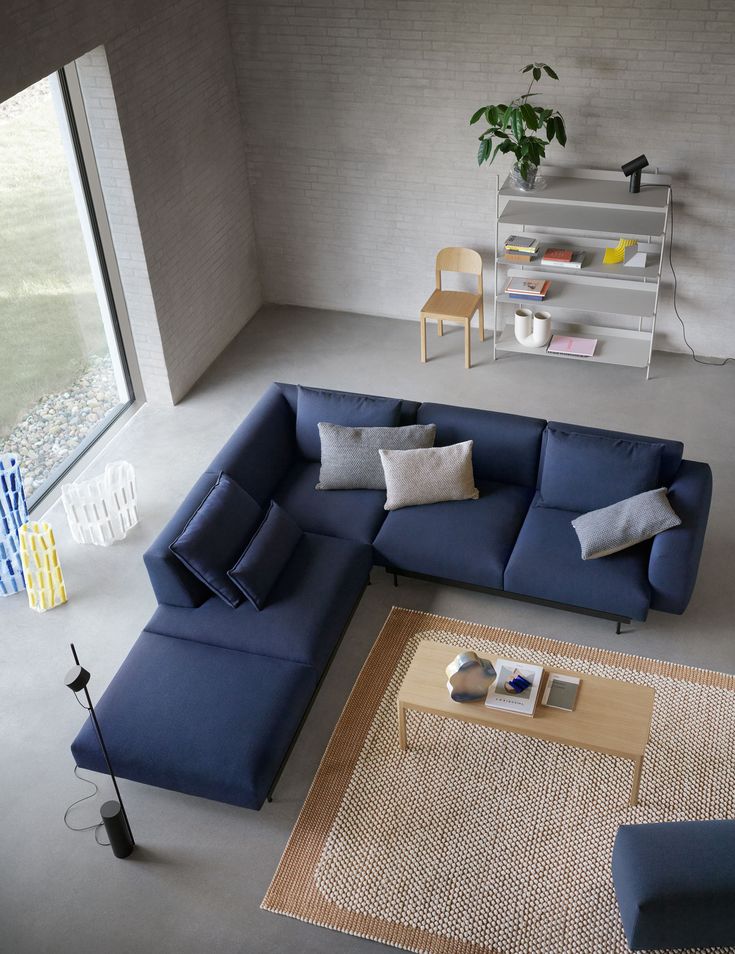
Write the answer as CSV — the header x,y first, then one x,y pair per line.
x,y
362,162
109,149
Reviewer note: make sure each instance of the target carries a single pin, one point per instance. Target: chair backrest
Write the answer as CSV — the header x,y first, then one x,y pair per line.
x,y
465,260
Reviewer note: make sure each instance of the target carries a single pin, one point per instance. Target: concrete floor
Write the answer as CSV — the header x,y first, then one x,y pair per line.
x,y
196,881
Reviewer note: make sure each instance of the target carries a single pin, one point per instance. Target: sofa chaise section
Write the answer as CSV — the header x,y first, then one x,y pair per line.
x,y
199,719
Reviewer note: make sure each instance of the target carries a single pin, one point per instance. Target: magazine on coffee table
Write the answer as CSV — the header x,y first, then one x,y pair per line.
x,y
561,691
516,687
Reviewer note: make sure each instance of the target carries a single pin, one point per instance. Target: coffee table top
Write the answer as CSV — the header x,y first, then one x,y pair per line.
x,y
610,715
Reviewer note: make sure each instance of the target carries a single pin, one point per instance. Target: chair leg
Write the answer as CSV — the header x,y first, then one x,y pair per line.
x,y
440,327
423,339
467,361
481,314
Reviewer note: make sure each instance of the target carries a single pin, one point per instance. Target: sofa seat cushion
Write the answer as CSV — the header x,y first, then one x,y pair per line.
x,y
198,719
305,614
464,540
351,514
675,884
546,563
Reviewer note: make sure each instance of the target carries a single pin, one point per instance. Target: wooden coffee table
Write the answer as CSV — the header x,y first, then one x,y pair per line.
x,y
610,716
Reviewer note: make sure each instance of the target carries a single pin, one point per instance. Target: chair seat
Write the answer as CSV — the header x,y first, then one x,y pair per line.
x,y
452,305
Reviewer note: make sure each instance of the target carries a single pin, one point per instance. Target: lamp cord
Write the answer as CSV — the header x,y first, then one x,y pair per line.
x,y
695,357
98,825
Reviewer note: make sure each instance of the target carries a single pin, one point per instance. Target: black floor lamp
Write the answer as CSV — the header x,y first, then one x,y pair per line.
x,y
114,816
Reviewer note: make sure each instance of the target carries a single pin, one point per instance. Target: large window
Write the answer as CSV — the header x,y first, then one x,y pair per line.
x,y
63,376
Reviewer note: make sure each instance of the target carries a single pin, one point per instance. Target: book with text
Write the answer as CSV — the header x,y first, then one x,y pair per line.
x,y
561,691
516,687
571,347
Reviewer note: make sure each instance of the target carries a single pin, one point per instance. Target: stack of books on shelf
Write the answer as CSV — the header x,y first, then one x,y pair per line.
x,y
518,684
520,249
563,257
527,289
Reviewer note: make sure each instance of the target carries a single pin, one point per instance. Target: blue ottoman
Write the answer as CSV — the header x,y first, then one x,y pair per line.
x,y
675,884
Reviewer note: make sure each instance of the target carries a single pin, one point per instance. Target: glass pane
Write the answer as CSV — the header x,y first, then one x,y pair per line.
x,y
61,377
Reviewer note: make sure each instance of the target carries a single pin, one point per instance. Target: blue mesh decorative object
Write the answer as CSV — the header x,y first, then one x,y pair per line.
x,y
13,514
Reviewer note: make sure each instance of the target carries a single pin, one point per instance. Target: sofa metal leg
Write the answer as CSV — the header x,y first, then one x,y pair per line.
x,y
269,799
395,579
617,628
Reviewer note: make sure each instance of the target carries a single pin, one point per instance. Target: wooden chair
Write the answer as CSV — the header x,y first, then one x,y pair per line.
x,y
455,305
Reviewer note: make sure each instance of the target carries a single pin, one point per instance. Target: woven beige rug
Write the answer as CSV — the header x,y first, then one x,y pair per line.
x,y
476,841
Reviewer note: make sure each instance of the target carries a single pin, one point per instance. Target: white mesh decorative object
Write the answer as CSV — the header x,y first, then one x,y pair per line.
x,y
103,509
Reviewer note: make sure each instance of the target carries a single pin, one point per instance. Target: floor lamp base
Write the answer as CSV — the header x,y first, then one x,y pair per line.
x,y
117,830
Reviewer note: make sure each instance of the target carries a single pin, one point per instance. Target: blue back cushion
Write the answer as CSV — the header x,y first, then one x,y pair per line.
x,y
506,446
215,536
671,453
265,556
335,407
584,472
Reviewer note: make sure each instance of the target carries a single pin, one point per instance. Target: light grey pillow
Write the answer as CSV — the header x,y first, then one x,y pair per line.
x,y
623,524
350,458
428,476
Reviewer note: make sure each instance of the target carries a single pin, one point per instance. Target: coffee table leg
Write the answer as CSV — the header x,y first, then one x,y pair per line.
x,y
637,769
402,726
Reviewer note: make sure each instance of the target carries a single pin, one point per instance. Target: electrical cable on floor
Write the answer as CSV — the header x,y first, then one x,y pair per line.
x,y
96,827
695,357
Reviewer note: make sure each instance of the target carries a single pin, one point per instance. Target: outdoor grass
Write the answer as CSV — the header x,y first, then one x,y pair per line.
x,y
49,317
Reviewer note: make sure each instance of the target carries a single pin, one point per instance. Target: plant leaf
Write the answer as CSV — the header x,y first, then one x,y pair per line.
x,y
561,133
483,152
530,116
550,128
506,116
506,146
527,68
492,115
536,73
549,72
477,115
516,123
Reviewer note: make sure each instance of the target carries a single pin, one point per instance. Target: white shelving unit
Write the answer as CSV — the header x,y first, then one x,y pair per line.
x,y
588,209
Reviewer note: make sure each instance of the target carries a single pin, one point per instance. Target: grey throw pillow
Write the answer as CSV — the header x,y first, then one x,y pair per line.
x,y
350,458
428,476
623,524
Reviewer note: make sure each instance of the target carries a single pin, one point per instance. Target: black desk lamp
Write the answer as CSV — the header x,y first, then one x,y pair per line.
x,y
114,816
633,169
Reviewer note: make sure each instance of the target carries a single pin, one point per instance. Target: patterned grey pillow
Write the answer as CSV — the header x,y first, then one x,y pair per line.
x,y
428,476
350,458
623,524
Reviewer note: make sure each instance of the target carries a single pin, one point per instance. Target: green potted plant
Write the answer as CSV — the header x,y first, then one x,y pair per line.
x,y
522,128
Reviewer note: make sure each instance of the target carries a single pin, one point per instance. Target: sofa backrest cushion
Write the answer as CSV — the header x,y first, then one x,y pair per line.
x,y
267,553
584,472
262,449
333,407
671,453
215,536
290,393
506,446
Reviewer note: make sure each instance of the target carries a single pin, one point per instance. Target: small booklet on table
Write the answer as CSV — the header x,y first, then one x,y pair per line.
x,y
516,687
560,691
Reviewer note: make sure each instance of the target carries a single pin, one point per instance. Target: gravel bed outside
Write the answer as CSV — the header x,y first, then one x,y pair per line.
x,y
56,426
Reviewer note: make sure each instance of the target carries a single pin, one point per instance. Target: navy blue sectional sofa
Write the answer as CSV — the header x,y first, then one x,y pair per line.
x,y
210,698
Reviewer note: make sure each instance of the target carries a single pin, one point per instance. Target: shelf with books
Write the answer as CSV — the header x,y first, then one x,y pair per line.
x,y
585,210
592,266
577,294
614,345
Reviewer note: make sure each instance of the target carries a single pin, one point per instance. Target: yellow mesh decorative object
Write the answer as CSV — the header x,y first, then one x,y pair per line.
x,y
41,568
613,256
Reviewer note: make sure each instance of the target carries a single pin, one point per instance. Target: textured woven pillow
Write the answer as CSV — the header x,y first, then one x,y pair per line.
x,y
623,524
350,458
429,475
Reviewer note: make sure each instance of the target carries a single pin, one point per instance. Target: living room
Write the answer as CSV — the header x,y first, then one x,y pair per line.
x,y
278,180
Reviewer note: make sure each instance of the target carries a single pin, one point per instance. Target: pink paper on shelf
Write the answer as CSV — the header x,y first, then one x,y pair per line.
x,y
575,347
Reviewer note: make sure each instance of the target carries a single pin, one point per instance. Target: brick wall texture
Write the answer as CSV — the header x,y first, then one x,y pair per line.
x,y
362,163
318,152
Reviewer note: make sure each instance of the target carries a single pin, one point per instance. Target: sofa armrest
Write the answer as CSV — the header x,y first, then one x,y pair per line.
x,y
262,449
675,553
172,582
